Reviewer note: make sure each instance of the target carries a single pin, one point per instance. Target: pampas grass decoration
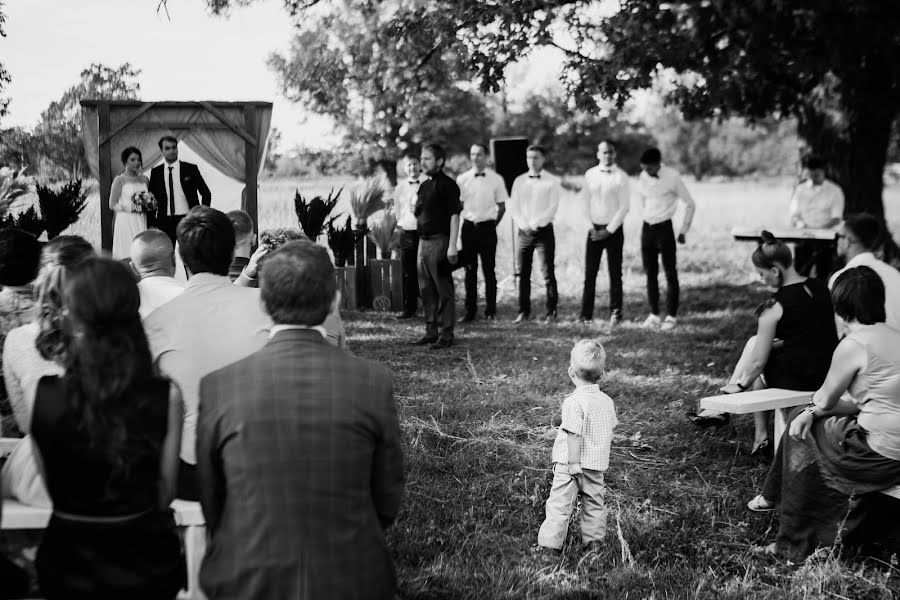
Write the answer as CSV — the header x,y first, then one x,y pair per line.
x,y
13,185
385,234
366,199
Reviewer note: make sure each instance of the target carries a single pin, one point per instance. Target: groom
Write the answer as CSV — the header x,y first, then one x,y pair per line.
x,y
176,186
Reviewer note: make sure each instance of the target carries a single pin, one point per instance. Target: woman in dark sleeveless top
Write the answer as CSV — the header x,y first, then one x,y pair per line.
x,y
108,434
795,337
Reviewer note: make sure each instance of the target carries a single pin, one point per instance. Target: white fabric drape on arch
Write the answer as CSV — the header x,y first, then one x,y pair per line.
x,y
220,147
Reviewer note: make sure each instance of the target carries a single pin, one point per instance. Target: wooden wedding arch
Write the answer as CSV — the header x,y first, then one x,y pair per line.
x,y
231,136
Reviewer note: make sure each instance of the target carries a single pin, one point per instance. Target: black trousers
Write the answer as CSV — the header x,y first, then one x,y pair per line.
x,y
409,252
436,286
480,240
188,486
592,254
544,241
656,240
169,225
814,254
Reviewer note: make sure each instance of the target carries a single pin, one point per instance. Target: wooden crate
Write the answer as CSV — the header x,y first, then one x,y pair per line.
x,y
346,285
386,284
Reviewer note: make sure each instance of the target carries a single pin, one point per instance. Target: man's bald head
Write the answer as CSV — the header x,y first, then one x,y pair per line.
x,y
152,254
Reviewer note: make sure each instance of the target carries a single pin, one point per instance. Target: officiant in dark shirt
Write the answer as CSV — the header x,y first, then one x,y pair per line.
x,y
437,220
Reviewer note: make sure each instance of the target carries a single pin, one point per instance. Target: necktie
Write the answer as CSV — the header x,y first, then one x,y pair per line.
x,y
413,182
479,174
171,194
538,176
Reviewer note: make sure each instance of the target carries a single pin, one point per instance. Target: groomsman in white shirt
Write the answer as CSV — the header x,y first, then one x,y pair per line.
x,y
605,201
483,195
404,206
660,188
532,205
817,203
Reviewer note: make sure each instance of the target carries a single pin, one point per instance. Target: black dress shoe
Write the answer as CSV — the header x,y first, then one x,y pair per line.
x,y
549,317
441,344
424,341
521,318
706,421
490,318
405,315
466,319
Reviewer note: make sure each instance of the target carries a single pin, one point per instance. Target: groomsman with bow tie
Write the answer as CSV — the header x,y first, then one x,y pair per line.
x,y
405,194
177,186
660,188
532,205
605,201
483,196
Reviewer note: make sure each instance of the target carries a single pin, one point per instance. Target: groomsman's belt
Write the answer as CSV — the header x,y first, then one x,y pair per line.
x,y
599,227
480,222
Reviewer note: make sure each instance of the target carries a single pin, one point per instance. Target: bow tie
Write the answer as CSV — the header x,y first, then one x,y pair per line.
x,y
413,181
606,170
479,174
538,176
654,176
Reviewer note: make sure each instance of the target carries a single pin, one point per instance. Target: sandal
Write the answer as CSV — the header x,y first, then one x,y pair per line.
x,y
764,448
760,504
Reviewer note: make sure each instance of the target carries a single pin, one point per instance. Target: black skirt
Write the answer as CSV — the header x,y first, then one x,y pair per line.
x,y
137,559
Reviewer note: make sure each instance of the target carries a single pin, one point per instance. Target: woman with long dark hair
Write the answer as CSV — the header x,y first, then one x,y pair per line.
x,y
794,339
108,433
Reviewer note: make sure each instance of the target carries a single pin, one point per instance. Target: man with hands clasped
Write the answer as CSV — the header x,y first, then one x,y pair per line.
x,y
605,201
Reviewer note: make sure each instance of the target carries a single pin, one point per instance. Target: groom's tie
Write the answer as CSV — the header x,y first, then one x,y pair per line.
x,y
171,194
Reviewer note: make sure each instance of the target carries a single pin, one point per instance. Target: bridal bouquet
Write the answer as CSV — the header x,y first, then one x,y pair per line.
x,y
143,202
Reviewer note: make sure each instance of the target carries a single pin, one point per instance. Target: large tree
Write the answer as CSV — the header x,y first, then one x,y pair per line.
x,y
59,130
832,64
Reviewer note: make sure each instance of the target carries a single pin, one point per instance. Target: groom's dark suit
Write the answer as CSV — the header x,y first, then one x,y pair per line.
x,y
193,186
301,470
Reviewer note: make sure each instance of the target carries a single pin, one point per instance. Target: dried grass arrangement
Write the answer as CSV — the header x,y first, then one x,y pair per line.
x,y
385,234
341,240
366,199
312,215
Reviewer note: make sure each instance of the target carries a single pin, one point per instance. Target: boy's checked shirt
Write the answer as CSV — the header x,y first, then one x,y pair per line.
x,y
590,413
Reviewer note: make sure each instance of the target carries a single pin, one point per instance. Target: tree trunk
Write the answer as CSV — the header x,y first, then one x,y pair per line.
x,y
853,137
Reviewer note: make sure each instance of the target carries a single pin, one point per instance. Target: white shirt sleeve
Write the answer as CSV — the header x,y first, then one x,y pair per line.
x,y
624,206
513,205
500,195
837,207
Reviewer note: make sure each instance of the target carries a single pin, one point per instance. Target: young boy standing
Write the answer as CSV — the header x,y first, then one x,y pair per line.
x,y
581,451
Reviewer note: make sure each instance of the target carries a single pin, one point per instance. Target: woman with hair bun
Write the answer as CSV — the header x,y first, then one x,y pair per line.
x,y
794,340
130,215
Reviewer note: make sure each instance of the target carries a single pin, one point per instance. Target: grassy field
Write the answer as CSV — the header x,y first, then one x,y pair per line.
x,y
478,423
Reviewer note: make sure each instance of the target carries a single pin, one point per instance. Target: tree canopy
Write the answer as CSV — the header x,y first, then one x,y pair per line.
x,y
4,75
832,64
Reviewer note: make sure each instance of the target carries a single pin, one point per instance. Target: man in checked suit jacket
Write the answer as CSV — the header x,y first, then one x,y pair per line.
x,y
298,454
177,197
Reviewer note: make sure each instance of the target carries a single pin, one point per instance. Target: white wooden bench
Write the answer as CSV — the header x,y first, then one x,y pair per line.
x,y
776,399
188,516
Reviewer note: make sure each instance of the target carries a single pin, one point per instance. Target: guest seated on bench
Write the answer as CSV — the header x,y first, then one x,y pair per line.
x,y
794,339
108,434
31,352
837,449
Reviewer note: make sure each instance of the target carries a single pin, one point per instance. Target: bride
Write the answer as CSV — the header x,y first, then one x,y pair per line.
x,y
128,223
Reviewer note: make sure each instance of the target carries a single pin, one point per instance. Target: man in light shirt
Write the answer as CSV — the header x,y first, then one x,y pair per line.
x,y
405,194
532,205
213,323
660,188
817,203
605,201
483,196
153,259
856,238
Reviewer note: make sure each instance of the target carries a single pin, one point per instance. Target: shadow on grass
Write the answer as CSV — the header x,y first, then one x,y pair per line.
x,y
478,422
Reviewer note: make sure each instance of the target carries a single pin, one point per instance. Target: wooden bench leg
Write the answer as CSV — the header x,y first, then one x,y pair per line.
x,y
194,549
780,425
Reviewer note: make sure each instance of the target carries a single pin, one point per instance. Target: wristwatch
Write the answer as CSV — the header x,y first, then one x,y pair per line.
x,y
741,386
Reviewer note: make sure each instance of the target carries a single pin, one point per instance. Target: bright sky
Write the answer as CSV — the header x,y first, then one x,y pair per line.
x,y
193,56
188,56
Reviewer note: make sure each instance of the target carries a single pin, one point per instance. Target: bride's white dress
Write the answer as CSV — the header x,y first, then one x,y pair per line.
x,y
127,224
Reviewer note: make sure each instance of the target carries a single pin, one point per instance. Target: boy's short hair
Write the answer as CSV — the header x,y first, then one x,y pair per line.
x,y
588,359
410,155
651,156
536,148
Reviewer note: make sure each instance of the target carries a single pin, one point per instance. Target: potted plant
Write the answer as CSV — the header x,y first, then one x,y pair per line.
x,y
342,241
13,186
385,275
366,199
312,215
